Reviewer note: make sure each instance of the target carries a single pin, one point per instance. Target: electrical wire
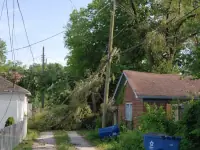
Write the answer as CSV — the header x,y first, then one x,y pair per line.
x,y
38,41
143,40
2,9
13,30
7,108
25,30
11,44
8,21
73,4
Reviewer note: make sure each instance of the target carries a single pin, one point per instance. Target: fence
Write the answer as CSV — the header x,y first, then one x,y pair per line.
x,y
11,136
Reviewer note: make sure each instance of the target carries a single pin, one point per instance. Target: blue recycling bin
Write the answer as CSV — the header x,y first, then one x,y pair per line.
x,y
161,142
108,132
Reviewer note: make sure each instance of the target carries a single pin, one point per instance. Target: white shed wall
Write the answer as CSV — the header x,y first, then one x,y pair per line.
x,y
16,109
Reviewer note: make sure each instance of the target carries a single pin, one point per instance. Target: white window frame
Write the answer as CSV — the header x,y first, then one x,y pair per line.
x,y
129,114
177,111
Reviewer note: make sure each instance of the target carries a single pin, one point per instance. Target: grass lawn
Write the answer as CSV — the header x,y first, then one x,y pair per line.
x,y
28,142
62,141
93,138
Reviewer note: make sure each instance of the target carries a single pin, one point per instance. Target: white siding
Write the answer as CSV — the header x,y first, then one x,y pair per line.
x,y
15,109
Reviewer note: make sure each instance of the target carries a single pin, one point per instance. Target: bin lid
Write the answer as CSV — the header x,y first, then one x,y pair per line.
x,y
162,136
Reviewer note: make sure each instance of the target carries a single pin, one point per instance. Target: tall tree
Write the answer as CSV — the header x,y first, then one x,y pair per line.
x,y
167,24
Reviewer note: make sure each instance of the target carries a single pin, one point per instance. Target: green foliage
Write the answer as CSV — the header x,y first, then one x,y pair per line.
x,y
28,141
10,121
191,123
155,120
60,118
62,141
54,82
120,96
128,141
2,52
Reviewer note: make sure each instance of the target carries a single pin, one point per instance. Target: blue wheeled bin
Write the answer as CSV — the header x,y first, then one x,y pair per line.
x,y
161,142
108,132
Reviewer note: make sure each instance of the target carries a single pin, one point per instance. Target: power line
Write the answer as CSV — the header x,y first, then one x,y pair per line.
x,y
7,108
73,4
13,54
3,4
102,9
11,44
25,30
8,20
38,42
143,40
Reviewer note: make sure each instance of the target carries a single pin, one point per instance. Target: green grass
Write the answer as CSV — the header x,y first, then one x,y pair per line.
x,y
28,142
62,141
93,138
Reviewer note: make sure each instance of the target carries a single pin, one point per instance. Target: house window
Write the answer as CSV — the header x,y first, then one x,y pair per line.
x,y
128,112
178,111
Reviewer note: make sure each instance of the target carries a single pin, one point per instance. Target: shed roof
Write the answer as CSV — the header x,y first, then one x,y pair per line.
x,y
154,85
7,86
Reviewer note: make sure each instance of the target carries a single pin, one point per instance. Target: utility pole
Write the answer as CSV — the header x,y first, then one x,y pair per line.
x,y
43,59
107,82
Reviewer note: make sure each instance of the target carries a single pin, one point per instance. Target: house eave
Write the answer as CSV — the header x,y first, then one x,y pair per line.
x,y
158,98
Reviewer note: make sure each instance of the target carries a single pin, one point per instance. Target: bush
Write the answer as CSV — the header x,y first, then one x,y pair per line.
x,y
90,122
10,121
155,120
131,140
60,118
191,127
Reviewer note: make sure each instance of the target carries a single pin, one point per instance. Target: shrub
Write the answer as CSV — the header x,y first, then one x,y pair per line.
x,y
155,120
10,121
89,122
131,140
60,117
191,127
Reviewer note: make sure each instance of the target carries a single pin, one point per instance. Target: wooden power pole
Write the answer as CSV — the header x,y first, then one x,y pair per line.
x,y
43,59
107,82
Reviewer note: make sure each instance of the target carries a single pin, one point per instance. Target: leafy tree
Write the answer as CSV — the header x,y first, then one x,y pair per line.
x,y
87,39
2,52
167,25
53,82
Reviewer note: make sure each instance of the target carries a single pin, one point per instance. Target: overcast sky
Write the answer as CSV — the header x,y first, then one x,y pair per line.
x,y
43,18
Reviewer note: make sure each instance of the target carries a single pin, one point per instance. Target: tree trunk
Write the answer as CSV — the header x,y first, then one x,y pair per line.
x,y
94,106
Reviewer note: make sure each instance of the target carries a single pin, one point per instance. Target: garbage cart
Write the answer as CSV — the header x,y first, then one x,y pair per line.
x,y
161,142
108,132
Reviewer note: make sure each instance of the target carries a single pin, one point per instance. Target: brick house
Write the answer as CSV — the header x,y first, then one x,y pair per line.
x,y
136,88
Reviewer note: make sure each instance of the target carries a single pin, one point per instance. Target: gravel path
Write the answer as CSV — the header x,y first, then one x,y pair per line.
x,y
79,142
46,141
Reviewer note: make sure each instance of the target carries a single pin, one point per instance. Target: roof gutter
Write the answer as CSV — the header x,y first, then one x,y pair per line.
x,y
154,98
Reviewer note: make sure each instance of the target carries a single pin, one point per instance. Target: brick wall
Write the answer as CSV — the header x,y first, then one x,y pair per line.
x,y
137,106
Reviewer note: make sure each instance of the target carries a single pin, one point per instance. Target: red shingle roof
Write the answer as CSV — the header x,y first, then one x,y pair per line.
x,y
150,84
7,86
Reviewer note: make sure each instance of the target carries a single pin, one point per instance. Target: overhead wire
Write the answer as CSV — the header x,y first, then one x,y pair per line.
x,y
8,22
38,41
143,40
2,8
13,30
50,36
11,45
73,4
25,29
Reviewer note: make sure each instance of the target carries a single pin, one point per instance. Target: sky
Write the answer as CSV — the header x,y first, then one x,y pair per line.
x,y
43,18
